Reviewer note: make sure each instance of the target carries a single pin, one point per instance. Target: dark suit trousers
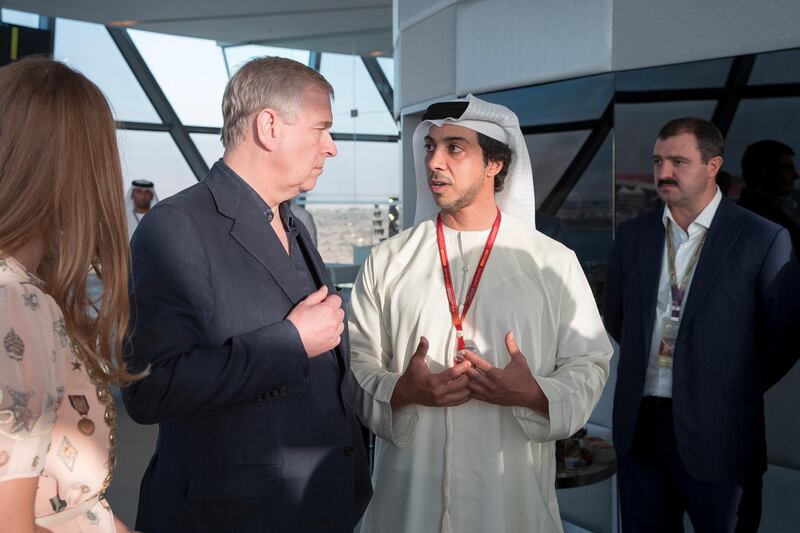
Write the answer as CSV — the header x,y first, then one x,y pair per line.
x,y
656,489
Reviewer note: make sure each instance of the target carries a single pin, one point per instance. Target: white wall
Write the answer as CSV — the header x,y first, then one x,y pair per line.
x,y
428,59
510,43
453,47
457,47
654,32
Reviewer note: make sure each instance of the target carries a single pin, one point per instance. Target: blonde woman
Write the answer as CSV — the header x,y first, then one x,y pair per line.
x,y
61,213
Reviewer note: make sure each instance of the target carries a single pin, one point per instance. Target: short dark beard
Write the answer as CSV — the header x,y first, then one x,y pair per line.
x,y
462,201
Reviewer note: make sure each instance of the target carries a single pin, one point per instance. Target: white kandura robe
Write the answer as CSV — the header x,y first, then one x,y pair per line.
x,y
487,467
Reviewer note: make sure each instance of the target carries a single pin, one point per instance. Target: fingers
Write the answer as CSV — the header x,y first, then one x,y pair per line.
x,y
422,349
479,387
455,398
455,371
476,361
317,296
334,300
511,346
455,385
477,375
453,392
479,392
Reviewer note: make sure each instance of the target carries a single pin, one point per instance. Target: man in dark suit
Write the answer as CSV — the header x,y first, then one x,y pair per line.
x,y
769,175
702,297
238,322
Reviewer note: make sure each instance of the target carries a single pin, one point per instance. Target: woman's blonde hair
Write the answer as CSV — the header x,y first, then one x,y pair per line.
x,y
61,182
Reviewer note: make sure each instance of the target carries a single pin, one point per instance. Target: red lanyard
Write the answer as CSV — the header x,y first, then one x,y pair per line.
x,y
476,279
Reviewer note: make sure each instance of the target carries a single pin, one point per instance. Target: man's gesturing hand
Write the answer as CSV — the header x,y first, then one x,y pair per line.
x,y
512,385
418,385
320,321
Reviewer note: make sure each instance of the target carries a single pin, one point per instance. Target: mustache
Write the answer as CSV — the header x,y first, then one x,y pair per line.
x,y
435,176
666,181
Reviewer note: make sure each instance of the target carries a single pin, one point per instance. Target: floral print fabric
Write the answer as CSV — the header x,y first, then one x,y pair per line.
x,y
52,418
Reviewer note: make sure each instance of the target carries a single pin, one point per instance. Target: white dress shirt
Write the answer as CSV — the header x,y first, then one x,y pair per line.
x,y
658,381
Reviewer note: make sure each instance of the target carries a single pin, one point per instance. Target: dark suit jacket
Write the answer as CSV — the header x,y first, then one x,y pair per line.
x,y
249,439
737,337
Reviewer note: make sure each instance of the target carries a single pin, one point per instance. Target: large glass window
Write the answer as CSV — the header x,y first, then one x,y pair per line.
x,y
358,106
89,48
341,227
350,201
209,145
776,67
387,66
702,74
361,171
191,72
551,154
587,213
19,18
554,103
152,155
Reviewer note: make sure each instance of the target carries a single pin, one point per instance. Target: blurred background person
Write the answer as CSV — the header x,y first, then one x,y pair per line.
x,y
61,213
769,174
140,198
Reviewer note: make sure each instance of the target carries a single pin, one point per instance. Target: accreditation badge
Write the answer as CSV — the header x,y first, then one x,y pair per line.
x,y
666,348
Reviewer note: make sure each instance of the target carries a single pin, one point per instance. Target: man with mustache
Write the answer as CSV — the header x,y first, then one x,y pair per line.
x,y
475,340
702,297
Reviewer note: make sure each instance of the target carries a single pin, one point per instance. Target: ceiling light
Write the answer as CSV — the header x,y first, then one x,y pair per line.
x,y
123,23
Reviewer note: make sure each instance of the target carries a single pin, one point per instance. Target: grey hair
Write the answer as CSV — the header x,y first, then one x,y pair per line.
x,y
265,82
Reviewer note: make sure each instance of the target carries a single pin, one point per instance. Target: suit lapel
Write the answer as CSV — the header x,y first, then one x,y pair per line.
x,y
651,252
253,233
722,235
315,264
321,277
250,228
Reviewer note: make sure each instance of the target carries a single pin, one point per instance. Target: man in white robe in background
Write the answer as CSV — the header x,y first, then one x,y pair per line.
x,y
465,438
139,200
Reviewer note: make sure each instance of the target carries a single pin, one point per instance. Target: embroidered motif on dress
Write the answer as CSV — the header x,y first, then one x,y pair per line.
x,y
67,453
31,301
60,329
14,345
18,411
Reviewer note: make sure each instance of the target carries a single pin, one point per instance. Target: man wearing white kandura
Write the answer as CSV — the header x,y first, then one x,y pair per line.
x,y
475,340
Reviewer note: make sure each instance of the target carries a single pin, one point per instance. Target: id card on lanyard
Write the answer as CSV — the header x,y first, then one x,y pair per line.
x,y
672,322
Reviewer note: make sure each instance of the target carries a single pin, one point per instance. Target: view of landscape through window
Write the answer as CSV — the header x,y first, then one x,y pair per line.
x,y
192,74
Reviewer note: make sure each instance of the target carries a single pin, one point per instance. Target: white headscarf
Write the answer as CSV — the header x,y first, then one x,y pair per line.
x,y
130,213
499,123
